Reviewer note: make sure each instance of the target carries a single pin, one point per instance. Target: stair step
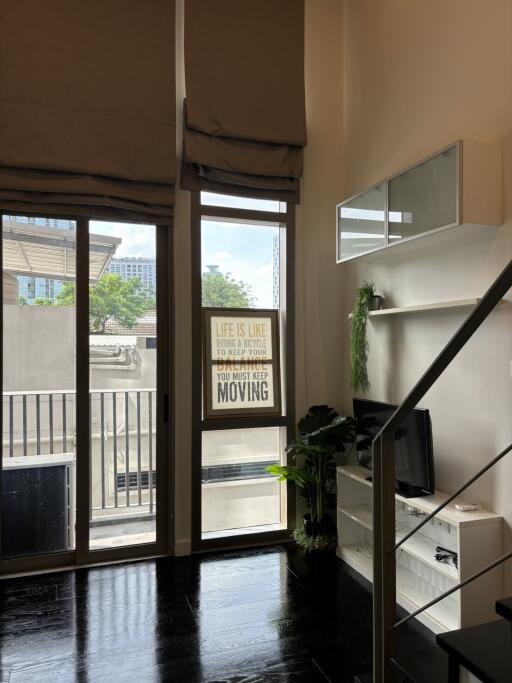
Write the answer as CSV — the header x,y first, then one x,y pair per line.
x,y
484,650
504,608
423,666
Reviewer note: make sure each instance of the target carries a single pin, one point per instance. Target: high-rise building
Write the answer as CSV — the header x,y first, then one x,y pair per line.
x,y
144,269
32,288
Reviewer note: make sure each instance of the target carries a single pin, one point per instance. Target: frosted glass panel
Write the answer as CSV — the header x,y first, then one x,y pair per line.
x,y
424,198
362,224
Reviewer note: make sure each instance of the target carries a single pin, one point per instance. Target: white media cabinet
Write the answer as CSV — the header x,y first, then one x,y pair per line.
x,y
476,537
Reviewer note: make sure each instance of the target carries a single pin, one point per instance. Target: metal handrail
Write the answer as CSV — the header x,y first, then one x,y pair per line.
x,y
384,568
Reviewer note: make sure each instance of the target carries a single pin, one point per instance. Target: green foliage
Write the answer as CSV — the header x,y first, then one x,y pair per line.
x,y
42,301
111,298
222,290
312,543
66,296
323,434
22,301
359,343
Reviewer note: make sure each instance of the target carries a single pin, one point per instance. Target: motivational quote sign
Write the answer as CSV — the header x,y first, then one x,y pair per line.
x,y
242,362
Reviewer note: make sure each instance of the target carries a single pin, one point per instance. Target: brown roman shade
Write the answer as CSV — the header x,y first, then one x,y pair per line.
x,y
87,108
245,123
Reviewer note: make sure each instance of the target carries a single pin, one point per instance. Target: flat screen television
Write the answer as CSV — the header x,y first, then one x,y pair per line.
x,y
414,455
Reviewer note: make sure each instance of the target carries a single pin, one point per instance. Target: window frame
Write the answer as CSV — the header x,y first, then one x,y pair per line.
x,y
200,424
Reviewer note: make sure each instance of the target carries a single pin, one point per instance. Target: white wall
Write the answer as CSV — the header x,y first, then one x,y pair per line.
x,y
416,77
319,282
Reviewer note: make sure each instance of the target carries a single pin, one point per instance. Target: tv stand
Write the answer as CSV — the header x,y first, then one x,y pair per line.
x,y
475,536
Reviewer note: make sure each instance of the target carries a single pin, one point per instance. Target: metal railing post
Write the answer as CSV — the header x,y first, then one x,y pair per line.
x,y
384,569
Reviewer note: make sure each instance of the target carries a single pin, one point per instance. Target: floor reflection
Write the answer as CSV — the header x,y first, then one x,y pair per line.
x,y
255,616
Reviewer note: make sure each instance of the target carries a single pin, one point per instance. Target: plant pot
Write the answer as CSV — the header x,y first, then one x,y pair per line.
x,y
375,302
311,528
317,528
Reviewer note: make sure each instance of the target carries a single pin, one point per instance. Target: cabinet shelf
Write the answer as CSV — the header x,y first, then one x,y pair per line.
x,y
362,514
459,185
419,546
412,592
476,537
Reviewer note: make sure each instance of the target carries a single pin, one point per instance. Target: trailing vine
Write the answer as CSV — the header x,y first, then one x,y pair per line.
x,y
359,346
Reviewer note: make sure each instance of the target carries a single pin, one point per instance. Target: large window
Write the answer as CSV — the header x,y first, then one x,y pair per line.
x,y
241,271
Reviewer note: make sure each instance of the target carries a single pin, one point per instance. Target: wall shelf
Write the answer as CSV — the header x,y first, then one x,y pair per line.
x,y
434,306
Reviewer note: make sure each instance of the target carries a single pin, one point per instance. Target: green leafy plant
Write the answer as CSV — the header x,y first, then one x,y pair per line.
x,y
322,435
220,289
359,346
112,297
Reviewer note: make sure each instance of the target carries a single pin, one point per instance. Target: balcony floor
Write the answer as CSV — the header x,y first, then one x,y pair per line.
x,y
122,533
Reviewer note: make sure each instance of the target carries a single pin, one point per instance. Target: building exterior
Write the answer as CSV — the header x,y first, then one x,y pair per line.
x,y
32,288
130,266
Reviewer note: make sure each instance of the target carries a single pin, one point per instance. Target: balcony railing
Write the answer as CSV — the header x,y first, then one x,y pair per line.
x,y
122,439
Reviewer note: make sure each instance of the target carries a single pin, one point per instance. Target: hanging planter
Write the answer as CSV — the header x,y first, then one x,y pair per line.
x,y
366,301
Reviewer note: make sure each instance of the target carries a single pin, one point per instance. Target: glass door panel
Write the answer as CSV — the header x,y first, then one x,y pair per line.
x,y
39,361
123,381
362,223
424,198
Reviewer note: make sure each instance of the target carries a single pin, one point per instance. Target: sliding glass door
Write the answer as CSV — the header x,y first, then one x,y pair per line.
x,y
123,385
85,426
39,382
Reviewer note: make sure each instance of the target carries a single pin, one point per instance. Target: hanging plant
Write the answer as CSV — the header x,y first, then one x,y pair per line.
x,y
359,346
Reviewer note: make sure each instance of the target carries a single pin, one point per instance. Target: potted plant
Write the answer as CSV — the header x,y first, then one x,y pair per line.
x,y
366,300
323,434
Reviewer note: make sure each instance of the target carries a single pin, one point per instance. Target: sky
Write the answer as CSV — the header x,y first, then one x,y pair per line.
x,y
243,251
138,240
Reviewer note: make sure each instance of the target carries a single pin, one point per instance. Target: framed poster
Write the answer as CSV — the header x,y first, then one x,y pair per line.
x,y
242,374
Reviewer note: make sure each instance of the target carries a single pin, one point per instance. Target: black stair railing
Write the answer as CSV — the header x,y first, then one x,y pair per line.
x,y
384,564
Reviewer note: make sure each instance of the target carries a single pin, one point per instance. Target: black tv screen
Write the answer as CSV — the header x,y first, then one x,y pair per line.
x,y
414,458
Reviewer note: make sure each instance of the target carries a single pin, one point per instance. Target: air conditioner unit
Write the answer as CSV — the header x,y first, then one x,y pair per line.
x,y
37,505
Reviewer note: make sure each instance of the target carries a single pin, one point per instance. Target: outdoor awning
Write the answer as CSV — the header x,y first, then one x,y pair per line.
x,y
38,251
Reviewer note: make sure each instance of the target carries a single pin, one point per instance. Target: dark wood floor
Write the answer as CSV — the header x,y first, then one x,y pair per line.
x,y
240,617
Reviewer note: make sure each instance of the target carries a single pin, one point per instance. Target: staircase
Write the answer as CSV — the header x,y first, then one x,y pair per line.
x,y
484,650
